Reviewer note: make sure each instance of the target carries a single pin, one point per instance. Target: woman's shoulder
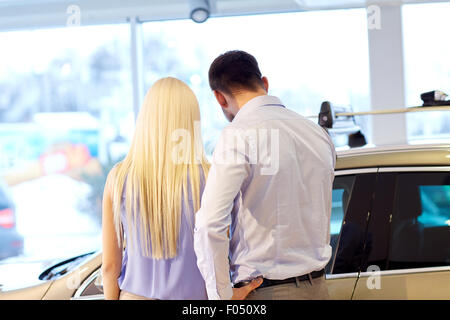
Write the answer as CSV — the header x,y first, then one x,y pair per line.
x,y
112,174
113,171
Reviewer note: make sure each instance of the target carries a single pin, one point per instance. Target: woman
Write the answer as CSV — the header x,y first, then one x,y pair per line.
x,y
150,199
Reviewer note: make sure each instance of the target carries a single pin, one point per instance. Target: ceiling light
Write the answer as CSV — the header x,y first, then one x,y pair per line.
x,y
199,10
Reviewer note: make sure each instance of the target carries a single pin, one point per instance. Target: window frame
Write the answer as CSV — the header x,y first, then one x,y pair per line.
x,y
405,271
338,173
78,295
381,213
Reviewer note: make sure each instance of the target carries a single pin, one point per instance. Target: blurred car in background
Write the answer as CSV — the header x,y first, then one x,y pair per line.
x,y
11,242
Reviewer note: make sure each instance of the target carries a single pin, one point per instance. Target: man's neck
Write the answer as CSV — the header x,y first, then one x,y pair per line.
x,y
243,97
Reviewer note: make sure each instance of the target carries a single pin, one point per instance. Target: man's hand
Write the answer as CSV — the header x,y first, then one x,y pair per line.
x,y
243,292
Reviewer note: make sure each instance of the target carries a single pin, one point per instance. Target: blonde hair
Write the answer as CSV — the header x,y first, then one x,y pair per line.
x,y
154,181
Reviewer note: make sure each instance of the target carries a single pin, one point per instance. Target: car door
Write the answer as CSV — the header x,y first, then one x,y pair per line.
x,y
352,193
410,227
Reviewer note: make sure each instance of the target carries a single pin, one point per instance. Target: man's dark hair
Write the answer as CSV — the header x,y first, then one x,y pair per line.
x,y
235,70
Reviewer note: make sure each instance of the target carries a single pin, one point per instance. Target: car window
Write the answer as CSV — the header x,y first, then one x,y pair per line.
x,y
91,288
356,202
378,234
342,188
421,221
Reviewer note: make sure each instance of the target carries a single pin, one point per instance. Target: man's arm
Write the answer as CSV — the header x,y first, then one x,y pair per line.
x,y
229,169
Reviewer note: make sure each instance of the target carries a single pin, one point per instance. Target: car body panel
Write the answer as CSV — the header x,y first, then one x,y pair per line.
x,y
412,284
35,292
62,288
65,287
342,286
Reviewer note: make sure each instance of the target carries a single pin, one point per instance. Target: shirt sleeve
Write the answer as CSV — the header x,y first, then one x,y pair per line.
x,y
332,147
230,167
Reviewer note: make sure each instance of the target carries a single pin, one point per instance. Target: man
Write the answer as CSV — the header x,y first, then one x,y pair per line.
x,y
265,211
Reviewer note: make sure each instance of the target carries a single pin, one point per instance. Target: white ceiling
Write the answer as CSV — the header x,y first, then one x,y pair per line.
x,y
20,14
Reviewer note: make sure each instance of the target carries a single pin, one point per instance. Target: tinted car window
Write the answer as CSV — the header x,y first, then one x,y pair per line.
x,y
380,220
92,288
342,188
421,221
352,245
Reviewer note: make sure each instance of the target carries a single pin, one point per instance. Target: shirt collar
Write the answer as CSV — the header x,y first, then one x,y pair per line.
x,y
255,103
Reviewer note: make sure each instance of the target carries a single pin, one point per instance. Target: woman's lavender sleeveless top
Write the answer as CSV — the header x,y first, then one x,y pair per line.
x,y
168,279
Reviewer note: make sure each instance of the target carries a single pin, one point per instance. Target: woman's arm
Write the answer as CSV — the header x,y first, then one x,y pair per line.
x,y
112,253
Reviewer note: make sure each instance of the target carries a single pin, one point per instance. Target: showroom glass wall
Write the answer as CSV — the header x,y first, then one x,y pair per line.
x,y
308,58
66,102
65,117
427,66
66,113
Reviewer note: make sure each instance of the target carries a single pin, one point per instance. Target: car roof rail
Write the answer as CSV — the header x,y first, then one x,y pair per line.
x,y
337,119
340,119
335,124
